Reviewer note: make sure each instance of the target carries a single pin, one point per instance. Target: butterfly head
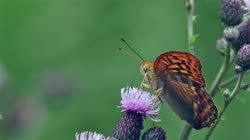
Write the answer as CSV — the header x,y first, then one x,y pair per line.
x,y
146,67
147,70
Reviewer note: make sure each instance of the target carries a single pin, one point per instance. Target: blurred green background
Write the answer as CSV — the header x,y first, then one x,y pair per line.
x,y
61,71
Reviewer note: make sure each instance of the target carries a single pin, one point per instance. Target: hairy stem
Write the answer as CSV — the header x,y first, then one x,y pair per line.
x,y
190,21
227,101
221,73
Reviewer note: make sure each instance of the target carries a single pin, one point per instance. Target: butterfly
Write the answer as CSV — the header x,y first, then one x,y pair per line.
x,y
176,76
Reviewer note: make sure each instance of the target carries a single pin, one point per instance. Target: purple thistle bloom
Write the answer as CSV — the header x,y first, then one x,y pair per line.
x,y
91,136
136,104
247,5
139,101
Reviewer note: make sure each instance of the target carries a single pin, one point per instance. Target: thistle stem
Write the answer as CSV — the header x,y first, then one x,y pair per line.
x,y
227,101
190,21
186,132
223,70
228,81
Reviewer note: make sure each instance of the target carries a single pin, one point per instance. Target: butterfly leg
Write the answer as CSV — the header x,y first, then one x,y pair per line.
x,y
160,100
158,93
143,84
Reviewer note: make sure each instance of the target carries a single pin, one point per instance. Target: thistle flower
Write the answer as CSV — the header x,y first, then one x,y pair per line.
x,y
231,12
142,102
243,57
91,136
155,133
136,105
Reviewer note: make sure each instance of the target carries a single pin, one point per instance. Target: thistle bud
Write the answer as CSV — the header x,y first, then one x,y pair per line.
x,y
155,133
238,69
243,57
231,34
221,45
244,85
231,12
226,93
244,35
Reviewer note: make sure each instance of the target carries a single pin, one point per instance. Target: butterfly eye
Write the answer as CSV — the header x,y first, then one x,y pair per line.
x,y
143,69
146,68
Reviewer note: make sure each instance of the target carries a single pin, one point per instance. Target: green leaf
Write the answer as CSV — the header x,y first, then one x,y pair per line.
x,y
192,41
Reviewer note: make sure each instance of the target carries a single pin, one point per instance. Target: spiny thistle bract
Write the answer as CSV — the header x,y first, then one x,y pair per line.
x,y
244,35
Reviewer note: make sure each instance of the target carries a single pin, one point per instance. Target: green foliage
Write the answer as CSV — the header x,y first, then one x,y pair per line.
x,y
79,39
193,40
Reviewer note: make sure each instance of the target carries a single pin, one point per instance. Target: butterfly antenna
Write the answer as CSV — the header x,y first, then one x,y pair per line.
x,y
123,40
126,52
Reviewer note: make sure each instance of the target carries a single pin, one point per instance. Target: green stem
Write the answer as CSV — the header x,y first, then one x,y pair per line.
x,y
228,81
231,80
190,21
221,73
186,132
227,101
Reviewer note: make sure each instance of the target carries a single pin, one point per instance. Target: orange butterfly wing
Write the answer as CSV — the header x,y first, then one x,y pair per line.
x,y
181,63
184,88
